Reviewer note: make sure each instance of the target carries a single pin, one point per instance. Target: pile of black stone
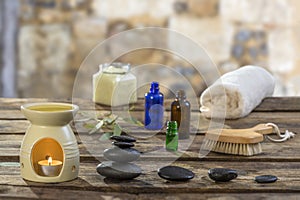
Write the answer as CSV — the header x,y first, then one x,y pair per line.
x,y
119,158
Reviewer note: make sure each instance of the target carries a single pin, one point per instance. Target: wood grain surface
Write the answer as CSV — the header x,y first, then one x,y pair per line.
x,y
280,159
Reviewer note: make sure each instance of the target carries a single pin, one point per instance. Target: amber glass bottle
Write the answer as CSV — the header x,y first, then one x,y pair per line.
x,y
181,113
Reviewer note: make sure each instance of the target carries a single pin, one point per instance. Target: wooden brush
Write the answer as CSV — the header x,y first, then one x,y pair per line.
x,y
237,141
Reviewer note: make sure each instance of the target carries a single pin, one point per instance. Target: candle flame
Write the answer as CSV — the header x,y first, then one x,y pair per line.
x,y
49,160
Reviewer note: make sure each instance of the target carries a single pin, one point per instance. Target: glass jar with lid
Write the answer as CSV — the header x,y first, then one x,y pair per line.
x,y
114,85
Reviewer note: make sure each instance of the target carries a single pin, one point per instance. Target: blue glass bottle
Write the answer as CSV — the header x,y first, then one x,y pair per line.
x,y
154,108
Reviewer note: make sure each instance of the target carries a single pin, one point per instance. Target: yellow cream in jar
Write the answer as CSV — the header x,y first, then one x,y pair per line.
x,y
114,85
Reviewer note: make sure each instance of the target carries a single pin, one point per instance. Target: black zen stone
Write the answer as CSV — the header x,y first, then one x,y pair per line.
x,y
121,155
265,179
122,138
115,170
174,173
222,174
123,145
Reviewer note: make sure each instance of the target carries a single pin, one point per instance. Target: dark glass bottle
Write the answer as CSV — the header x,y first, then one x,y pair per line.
x,y
172,136
154,108
181,113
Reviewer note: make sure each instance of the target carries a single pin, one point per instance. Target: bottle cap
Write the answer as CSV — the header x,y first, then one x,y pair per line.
x,y
180,94
172,125
154,87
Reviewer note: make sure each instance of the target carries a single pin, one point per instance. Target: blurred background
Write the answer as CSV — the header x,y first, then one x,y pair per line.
x,y
43,42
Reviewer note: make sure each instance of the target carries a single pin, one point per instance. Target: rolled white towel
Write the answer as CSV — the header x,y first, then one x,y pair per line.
x,y
237,93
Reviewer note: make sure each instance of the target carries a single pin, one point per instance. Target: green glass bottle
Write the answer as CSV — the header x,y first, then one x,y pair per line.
x,y
172,136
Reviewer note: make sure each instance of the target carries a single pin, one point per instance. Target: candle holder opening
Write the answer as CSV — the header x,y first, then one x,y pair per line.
x,y
46,157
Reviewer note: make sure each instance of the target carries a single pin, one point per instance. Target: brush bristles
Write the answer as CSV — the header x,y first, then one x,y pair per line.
x,y
232,148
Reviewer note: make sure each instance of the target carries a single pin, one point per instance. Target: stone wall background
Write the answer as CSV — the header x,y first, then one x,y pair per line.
x,y
56,35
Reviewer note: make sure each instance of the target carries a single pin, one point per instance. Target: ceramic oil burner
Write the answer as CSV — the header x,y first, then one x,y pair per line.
x,y
49,151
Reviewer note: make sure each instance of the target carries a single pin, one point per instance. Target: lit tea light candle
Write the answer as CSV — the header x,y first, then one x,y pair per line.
x,y
49,167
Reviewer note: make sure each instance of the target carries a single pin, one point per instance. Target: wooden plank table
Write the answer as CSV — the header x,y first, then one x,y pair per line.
x,y
280,159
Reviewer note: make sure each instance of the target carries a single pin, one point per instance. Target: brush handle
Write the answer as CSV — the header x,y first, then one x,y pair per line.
x,y
240,136
261,128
